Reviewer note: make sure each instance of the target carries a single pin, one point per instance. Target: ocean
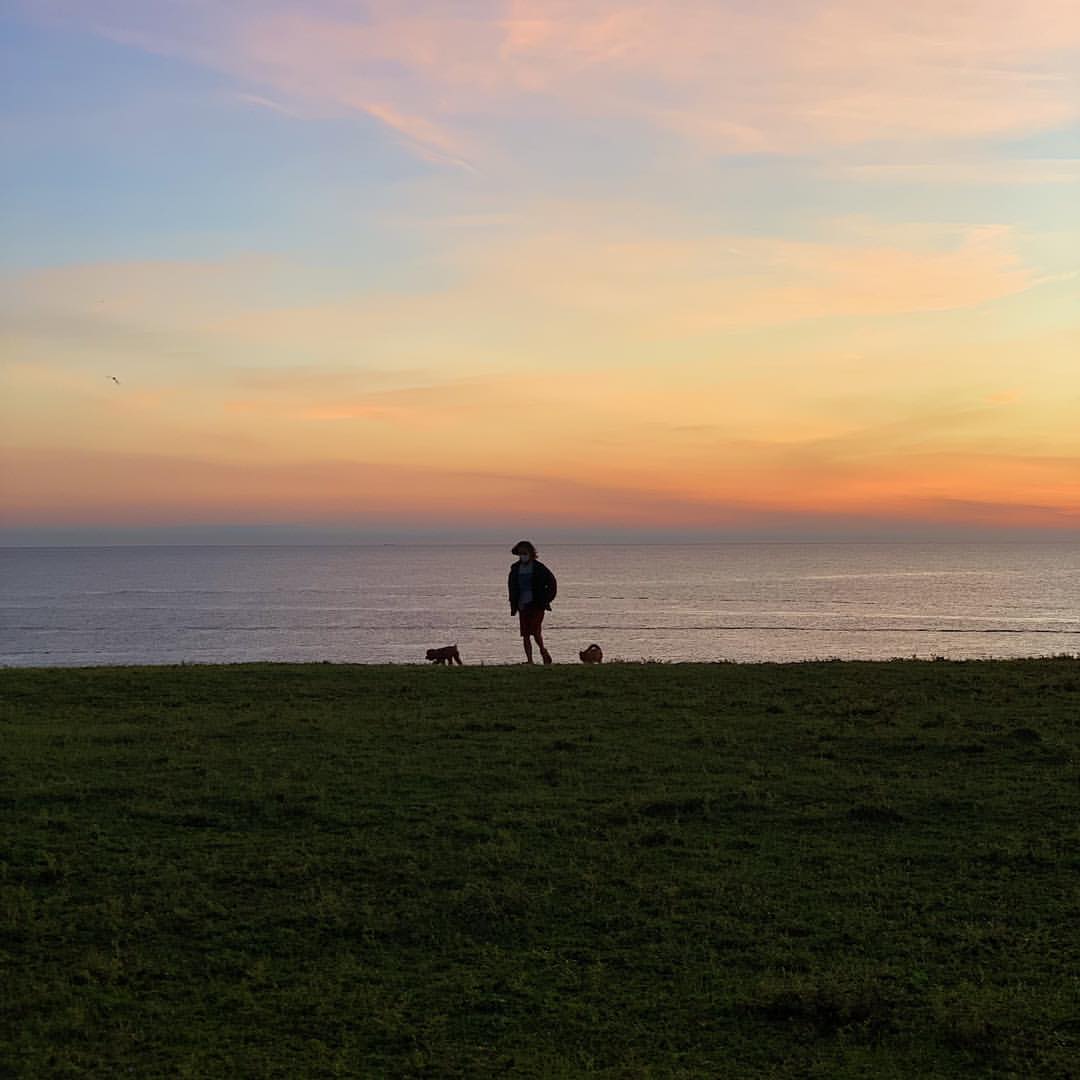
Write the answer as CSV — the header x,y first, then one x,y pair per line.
x,y
669,602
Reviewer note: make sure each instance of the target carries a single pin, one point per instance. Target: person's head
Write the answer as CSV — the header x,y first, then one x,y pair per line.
x,y
524,550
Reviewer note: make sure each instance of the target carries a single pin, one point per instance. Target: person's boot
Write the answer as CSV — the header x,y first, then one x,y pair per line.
x,y
545,656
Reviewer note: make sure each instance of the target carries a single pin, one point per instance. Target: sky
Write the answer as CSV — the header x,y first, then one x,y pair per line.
x,y
339,270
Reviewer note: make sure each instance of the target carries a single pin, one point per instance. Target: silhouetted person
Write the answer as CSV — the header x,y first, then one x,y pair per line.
x,y
532,588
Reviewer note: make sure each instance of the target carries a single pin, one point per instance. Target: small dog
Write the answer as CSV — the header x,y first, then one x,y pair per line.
x,y
592,655
448,654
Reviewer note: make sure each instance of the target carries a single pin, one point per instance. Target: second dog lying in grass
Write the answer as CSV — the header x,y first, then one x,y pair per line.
x,y
448,654
592,655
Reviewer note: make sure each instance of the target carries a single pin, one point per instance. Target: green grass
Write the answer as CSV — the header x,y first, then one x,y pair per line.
x,y
813,870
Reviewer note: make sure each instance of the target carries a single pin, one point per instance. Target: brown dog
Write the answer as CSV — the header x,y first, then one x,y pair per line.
x,y
448,654
592,655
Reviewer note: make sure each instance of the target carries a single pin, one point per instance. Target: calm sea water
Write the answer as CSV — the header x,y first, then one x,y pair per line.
x,y
150,605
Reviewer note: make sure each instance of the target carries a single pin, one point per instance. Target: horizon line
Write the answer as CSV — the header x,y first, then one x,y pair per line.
x,y
553,543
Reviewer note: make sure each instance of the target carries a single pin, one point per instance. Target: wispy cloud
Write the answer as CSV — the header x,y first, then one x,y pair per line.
x,y
260,102
664,286
793,77
425,137
580,282
988,172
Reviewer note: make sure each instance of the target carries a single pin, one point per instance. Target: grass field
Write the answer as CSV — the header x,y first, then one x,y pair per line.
x,y
814,870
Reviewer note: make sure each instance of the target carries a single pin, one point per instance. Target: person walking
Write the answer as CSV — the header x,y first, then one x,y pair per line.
x,y
532,588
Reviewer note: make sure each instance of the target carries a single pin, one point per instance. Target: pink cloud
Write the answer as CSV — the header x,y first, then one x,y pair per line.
x,y
798,76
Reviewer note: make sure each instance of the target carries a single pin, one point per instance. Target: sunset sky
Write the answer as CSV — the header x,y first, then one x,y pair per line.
x,y
560,268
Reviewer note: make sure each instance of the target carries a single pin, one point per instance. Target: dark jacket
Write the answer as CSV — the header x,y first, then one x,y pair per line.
x,y
544,586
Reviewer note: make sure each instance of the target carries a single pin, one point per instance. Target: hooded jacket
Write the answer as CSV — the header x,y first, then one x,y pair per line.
x,y
544,586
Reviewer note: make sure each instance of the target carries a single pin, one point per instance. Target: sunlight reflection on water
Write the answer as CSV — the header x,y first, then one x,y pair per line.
x,y
742,602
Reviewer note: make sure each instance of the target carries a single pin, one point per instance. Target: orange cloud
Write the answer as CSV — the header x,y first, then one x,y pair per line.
x,y
647,394
62,488
666,287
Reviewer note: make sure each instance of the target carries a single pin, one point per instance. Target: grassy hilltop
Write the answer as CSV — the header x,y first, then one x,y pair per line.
x,y
636,871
